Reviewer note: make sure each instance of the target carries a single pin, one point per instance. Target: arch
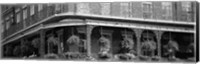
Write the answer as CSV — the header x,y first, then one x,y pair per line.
x,y
184,40
148,35
115,34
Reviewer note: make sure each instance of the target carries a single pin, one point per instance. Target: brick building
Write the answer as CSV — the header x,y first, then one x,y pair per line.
x,y
158,22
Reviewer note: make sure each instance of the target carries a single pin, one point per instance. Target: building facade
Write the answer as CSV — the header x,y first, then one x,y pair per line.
x,y
134,31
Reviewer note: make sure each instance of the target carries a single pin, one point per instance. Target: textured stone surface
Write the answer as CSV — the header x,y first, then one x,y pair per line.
x,y
83,8
105,8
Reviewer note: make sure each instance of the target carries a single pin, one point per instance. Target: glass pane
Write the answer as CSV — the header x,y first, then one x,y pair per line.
x,y
40,7
18,17
32,10
24,14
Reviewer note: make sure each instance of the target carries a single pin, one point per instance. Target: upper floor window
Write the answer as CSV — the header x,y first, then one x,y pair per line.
x,y
32,9
83,8
57,7
18,16
2,27
125,10
147,6
40,7
186,6
7,22
147,9
105,8
167,8
11,18
24,13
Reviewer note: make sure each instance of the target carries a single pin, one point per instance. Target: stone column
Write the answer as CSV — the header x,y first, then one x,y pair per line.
x,y
89,29
138,33
42,43
158,38
21,44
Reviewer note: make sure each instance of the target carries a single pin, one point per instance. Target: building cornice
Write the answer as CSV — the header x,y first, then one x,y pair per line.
x,y
102,17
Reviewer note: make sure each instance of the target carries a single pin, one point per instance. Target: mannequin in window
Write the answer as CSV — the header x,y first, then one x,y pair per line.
x,y
172,47
53,42
35,46
148,47
191,47
73,42
190,51
126,51
104,47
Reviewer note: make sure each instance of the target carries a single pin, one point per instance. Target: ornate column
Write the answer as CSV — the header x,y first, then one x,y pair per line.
x,y
60,33
89,29
22,40
138,33
42,43
158,38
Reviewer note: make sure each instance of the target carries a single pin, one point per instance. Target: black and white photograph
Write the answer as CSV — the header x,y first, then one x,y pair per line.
x,y
130,31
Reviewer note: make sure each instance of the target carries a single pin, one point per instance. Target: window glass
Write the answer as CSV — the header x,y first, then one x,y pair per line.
x,y
105,8
24,14
58,7
147,9
167,8
125,10
12,18
7,25
7,22
186,6
18,17
40,7
32,9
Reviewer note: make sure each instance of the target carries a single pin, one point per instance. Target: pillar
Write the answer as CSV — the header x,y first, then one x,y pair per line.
x,y
158,38
21,44
138,33
89,29
42,43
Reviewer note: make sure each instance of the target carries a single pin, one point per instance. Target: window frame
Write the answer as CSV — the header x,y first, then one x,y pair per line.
x,y
40,7
25,15
186,6
147,9
18,18
32,10
7,22
167,6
